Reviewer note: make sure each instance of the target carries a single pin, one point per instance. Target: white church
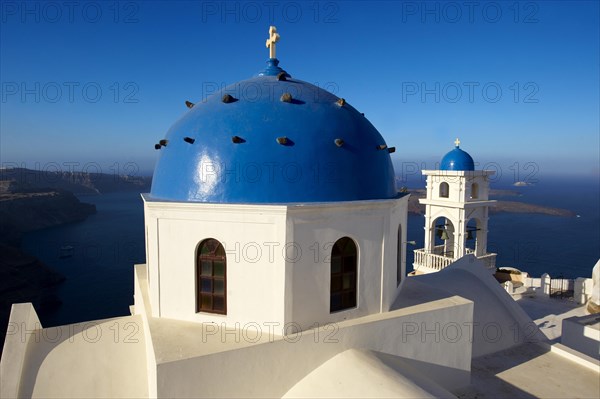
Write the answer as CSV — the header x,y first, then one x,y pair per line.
x,y
276,267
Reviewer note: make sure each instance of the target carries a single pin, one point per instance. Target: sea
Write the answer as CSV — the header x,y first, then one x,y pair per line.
x,y
99,267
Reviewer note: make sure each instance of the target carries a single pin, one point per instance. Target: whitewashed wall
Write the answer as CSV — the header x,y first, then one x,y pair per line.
x,y
373,225
278,257
255,283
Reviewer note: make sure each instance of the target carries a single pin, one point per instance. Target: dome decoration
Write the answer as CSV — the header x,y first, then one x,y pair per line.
x,y
273,139
457,159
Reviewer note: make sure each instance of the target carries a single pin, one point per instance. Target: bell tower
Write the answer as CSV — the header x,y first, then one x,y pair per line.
x,y
456,213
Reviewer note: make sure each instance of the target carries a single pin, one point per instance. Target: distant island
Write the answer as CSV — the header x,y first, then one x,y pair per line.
x,y
501,205
521,184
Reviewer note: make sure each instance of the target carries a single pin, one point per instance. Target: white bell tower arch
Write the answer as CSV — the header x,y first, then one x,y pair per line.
x,y
456,213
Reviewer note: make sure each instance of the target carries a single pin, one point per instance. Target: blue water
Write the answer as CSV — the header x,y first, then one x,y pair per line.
x,y
100,273
537,244
106,246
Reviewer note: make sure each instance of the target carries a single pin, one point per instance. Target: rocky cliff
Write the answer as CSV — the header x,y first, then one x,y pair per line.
x,y
75,182
27,211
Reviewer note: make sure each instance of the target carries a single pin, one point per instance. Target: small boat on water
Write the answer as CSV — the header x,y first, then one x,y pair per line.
x,y
66,251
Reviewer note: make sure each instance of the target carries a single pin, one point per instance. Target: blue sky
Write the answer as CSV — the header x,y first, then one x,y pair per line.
x,y
96,84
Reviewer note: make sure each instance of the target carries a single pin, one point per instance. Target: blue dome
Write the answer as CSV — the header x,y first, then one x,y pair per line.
x,y
457,159
250,143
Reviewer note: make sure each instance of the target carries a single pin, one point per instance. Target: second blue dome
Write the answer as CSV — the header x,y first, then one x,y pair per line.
x,y
457,159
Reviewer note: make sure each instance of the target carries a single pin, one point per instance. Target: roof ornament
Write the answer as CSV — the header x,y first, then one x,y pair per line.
x,y
272,63
457,142
273,38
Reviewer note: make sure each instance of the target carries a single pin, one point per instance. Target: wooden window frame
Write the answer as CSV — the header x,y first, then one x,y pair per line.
x,y
348,269
210,278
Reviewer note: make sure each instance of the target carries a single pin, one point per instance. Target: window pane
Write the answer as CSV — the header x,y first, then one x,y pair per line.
x,y
336,283
219,270
352,281
206,267
349,264
348,280
206,302
349,299
219,303
219,286
336,250
204,249
206,284
336,302
349,247
336,264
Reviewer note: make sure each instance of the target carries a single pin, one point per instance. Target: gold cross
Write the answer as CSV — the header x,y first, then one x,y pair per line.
x,y
273,38
457,142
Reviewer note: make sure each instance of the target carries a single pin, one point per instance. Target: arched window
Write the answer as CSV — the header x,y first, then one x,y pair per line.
x,y
211,277
474,190
343,275
444,190
399,257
